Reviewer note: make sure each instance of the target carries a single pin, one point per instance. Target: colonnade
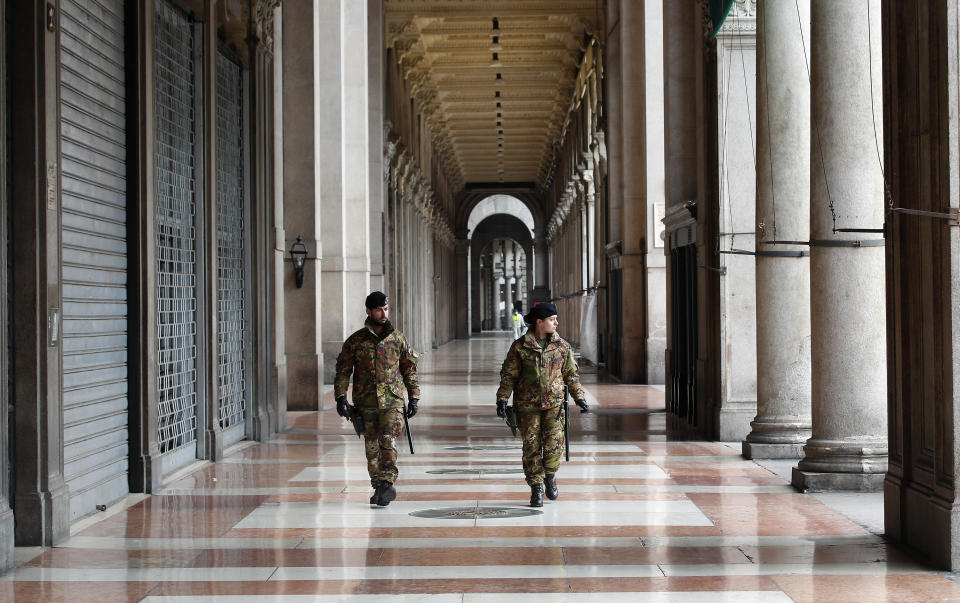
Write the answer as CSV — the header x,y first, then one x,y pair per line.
x,y
821,353
503,282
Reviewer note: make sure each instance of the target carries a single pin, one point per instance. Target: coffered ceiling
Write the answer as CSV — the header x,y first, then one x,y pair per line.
x,y
494,79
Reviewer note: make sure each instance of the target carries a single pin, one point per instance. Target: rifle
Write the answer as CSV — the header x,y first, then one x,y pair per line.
x,y
512,420
355,416
406,427
566,427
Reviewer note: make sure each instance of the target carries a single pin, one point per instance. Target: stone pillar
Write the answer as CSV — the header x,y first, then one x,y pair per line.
x,y
541,286
376,55
41,496
508,274
476,291
344,184
633,191
921,495
782,423
301,209
848,448
464,278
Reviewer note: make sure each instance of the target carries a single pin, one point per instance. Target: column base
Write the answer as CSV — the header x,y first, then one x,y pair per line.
x,y
761,450
6,536
733,420
810,481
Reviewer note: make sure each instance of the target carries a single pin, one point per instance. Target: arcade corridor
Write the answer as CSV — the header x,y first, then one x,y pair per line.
x,y
639,511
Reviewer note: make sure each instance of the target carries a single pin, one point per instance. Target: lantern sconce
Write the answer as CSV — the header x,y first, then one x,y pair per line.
x,y
298,255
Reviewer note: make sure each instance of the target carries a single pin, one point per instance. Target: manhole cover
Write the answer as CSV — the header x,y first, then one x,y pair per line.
x,y
484,447
473,471
476,512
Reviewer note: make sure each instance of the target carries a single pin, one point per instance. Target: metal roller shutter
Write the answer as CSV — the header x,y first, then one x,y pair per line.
x,y
93,185
177,132
232,326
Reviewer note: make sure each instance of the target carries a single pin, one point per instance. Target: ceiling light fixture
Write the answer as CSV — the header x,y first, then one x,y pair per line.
x,y
495,45
496,28
495,62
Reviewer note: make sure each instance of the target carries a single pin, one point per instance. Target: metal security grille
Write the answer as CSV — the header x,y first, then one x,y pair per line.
x,y
231,264
94,269
176,199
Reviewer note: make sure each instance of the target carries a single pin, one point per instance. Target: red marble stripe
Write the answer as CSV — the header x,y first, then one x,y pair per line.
x,y
74,592
773,515
673,584
857,589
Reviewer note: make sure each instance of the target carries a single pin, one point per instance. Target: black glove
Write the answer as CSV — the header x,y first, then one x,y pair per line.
x,y
412,407
343,409
502,409
584,407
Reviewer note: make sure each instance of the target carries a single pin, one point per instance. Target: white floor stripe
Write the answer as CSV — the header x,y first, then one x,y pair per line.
x,y
611,597
450,572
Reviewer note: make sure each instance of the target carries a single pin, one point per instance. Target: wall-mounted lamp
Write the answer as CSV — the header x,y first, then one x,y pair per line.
x,y
298,255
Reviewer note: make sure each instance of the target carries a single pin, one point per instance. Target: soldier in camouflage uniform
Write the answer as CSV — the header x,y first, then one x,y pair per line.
x,y
382,364
537,367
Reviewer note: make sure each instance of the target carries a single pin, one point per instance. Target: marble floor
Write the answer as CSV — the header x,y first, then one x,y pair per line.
x,y
643,514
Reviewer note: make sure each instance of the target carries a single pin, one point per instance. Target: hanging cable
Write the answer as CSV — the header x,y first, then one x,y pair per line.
x,y
725,180
873,111
766,93
746,96
816,124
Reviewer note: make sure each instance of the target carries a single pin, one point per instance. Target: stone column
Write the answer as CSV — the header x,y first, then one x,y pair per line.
x,y
476,291
782,423
541,282
631,167
463,271
848,449
344,184
508,273
301,208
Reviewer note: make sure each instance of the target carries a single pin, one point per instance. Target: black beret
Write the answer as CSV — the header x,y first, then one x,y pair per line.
x,y
376,300
542,310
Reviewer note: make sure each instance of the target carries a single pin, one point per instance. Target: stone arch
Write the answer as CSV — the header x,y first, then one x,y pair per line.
x,y
471,199
496,226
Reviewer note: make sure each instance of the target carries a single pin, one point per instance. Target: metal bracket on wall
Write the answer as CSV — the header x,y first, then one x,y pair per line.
x,y
842,243
803,253
722,270
952,216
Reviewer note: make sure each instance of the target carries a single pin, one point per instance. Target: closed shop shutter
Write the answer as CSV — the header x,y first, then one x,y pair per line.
x,y
232,280
93,186
177,181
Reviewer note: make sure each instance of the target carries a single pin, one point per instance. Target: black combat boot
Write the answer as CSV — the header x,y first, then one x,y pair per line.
x,y
375,499
536,495
550,486
385,493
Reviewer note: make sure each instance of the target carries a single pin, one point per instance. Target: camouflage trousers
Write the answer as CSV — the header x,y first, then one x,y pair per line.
x,y
381,429
543,443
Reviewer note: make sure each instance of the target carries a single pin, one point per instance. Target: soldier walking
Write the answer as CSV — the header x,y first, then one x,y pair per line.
x,y
382,364
535,370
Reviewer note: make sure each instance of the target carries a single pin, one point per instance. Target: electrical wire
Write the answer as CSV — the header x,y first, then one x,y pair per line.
x,y
816,124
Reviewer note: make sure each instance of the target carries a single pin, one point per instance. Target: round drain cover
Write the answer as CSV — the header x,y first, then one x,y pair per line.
x,y
476,512
492,447
473,471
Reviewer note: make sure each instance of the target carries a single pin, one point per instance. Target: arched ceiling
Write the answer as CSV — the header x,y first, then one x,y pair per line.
x,y
446,50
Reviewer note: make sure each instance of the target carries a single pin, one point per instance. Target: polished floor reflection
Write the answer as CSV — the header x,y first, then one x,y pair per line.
x,y
640,511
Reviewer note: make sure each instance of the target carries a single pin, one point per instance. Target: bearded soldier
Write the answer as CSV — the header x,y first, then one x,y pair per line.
x,y
535,371
382,364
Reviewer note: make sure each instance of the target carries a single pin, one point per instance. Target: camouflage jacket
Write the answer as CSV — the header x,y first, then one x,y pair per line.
x,y
536,375
381,366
